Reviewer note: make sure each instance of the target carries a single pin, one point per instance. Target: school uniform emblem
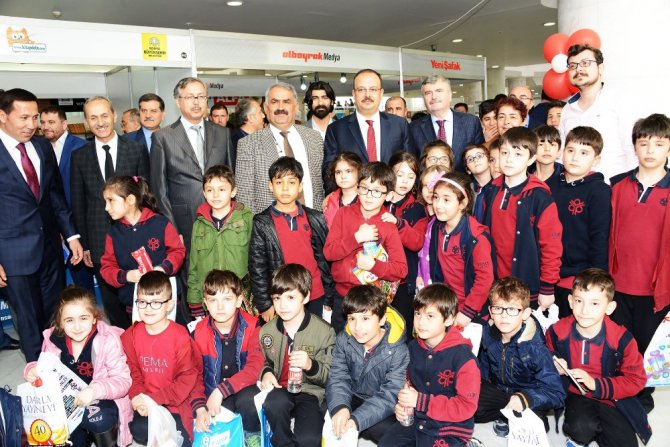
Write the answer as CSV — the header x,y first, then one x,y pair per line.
x,y
267,341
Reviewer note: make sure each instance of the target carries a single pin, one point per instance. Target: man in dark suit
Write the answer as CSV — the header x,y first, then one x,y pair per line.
x,y
371,134
105,157
130,121
249,117
457,129
182,152
36,215
152,112
259,150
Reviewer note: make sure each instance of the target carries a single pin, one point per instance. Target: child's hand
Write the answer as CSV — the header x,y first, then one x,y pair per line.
x,y
561,365
214,402
341,421
268,314
388,217
407,397
84,398
31,375
461,320
419,283
202,420
133,276
544,301
584,378
400,413
366,233
139,405
364,262
300,359
269,381
515,404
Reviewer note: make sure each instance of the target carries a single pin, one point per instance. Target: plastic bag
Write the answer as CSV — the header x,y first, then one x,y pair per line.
x,y
173,313
473,332
162,427
328,438
657,356
546,321
226,431
526,430
266,430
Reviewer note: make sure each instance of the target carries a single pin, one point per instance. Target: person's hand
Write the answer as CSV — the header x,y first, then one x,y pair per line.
x,y
340,422
544,301
407,397
202,420
76,250
31,375
269,381
181,238
400,413
268,314
364,262
584,378
133,276
461,320
561,365
515,404
214,402
84,398
419,283
366,233
388,217
139,405
88,260
300,359
491,133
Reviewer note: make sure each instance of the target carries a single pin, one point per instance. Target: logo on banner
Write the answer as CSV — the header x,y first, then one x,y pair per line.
x,y
320,56
19,41
446,65
154,47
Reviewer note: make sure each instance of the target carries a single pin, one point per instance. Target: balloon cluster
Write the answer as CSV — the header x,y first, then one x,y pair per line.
x,y
556,83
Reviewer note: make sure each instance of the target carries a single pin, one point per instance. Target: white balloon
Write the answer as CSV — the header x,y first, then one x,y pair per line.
x,y
560,63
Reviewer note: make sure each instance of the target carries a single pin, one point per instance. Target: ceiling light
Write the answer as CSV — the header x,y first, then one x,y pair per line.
x,y
480,55
460,85
343,78
495,66
549,23
457,40
235,3
56,14
303,85
453,93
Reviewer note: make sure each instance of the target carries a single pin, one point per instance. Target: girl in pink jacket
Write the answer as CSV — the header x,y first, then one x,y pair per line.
x,y
92,350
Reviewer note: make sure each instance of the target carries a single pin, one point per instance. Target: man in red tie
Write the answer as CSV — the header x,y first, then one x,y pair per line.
x,y
35,217
371,134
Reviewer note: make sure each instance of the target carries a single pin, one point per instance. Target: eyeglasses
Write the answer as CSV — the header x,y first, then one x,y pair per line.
x,y
583,63
191,98
511,311
473,158
363,191
521,98
438,160
371,90
155,305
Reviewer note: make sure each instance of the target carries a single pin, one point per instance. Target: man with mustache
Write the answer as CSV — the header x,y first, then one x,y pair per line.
x,y
105,157
600,108
371,134
130,121
457,129
256,152
152,112
320,100
396,105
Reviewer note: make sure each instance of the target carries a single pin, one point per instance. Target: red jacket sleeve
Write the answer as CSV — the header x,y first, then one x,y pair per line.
x,y
252,369
340,241
460,407
176,252
412,236
551,248
483,265
630,383
396,267
110,271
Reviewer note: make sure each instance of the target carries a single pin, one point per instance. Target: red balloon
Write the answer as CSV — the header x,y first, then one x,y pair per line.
x,y
555,44
583,36
556,85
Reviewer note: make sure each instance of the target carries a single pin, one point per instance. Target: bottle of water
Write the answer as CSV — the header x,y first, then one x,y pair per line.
x,y
294,380
408,420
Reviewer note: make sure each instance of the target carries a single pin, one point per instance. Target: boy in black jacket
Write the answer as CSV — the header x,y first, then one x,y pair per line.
x,y
288,232
583,201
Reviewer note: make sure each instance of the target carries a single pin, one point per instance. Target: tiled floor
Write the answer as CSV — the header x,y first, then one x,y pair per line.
x,y
12,363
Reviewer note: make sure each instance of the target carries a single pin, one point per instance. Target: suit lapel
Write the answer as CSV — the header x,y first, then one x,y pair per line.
x,y
43,177
269,143
428,129
355,130
209,141
121,157
456,135
7,160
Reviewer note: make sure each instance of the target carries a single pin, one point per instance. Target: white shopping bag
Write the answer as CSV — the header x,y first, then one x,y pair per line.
x,y
473,332
266,430
162,427
328,438
546,321
173,313
526,430
657,356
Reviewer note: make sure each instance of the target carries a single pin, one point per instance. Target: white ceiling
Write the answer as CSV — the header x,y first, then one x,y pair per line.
x,y
507,32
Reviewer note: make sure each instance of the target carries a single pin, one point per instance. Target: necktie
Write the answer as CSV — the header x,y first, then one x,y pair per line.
x,y
441,133
29,170
109,165
199,147
372,143
288,150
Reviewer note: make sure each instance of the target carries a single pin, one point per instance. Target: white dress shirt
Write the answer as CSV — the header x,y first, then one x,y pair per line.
x,y
11,143
300,154
193,135
364,131
101,154
448,125
58,146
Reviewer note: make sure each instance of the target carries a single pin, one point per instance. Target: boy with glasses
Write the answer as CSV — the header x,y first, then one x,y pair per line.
x,y
516,366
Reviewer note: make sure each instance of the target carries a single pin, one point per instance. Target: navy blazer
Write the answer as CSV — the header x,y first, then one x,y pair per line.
x,y
28,225
138,137
72,143
345,135
467,131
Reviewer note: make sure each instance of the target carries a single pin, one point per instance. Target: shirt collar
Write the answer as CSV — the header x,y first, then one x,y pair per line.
x,y
448,118
61,141
516,190
663,183
275,212
276,131
187,124
8,140
597,340
113,143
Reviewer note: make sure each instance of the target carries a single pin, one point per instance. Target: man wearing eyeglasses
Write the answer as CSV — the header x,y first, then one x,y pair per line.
x,y
456,129
523,94
182,152
371,134
600,108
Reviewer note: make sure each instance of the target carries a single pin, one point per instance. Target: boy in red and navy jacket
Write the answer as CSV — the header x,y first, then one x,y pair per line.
x,y
443,377
231,353
522,216
639,245
603,359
